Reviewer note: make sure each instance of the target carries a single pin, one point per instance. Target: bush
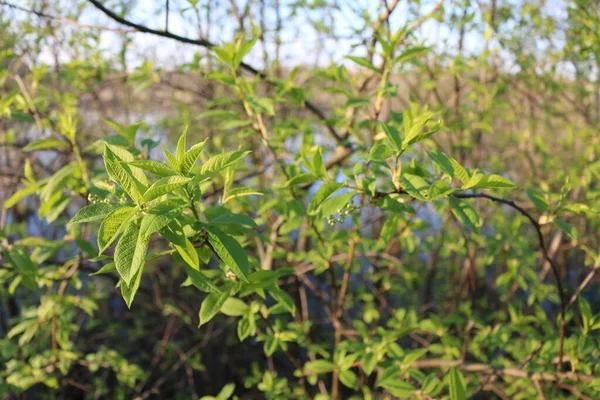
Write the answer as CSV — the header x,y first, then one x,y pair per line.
x,y
426,227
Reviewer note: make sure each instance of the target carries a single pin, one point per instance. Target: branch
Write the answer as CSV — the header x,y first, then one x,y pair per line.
x,y
543,249
513,372
63,19
207,44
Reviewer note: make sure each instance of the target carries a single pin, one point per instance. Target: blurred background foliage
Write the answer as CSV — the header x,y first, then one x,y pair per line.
x,y
429,307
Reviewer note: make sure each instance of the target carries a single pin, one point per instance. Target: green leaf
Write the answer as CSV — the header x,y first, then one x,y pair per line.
x,y
27,269
171,158
130,252
174,234
240,192
393,135
154,167
124,156
283,298
465,213
491,182
128,291
159,216
324,192
301,179
318,367
364,62
348,378
18,195
538,199
94,212
164,186
334,204
380,152
317,163
112,225
449,165
219,163
45,144
410,53
200,280
190,158
390,380
181,145
211,306
415,185
229,218
122,175
234,307
457,385
230,252
128,132
106,269
439,189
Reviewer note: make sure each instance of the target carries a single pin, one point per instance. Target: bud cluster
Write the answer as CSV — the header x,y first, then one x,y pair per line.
x,y
342,214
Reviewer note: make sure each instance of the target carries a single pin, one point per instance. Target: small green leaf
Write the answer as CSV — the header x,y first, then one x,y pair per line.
x,y
230,252
415,185
465,213
45,144
164,186
364,62
130,252
380,152
538,199
128,291
301,179
457,385
154,167
200,280
181,145
393,135
318,367
94,212
190,158
211,306
348,378
112,225
334,204
324,192
234,307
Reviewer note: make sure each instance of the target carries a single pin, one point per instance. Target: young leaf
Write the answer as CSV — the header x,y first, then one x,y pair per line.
x,y
164,186
230,252
94,212
200,280
324,192
457,385
393,135
190,158
318,367
181,145
128,291
334,204
234,307
538,199
211,306
130,252
220,162
416,186
112,225
363,62
465,213
154,167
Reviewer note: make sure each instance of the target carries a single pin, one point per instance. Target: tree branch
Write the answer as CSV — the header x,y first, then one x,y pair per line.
x,y
205,43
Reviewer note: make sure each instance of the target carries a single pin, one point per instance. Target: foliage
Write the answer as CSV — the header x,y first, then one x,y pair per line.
x,y
435,239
